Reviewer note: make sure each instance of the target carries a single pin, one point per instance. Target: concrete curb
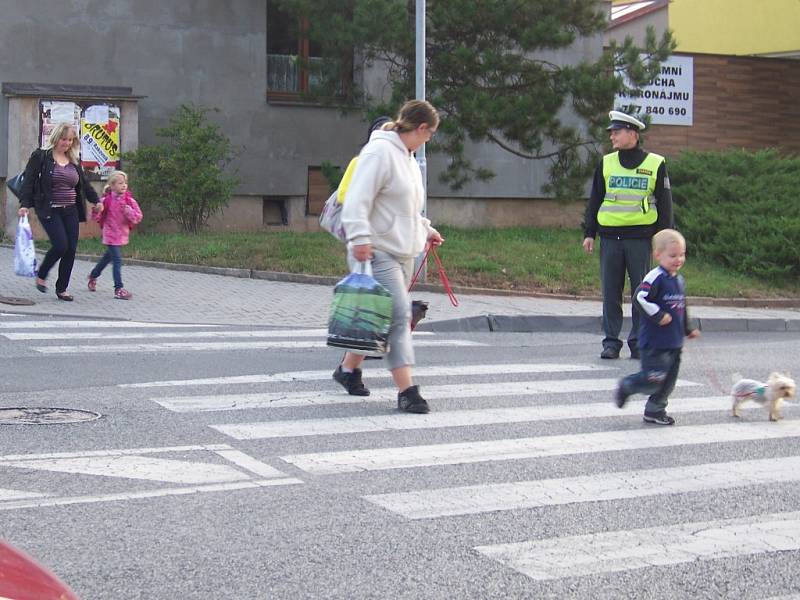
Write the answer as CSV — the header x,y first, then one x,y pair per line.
x,y
581,324
427,287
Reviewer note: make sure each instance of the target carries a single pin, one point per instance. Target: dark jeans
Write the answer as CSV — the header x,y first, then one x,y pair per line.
x,y
62,229
657,377
112,255
617,257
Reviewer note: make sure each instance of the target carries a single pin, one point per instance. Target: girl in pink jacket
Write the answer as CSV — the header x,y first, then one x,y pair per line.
x,y
116,213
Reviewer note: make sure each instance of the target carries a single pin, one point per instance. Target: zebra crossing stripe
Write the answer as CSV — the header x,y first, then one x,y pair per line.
x,y
456,418
133,335
98,324
429,371
6,495
157,493
205,346
338,396
475,499
617,551
328,463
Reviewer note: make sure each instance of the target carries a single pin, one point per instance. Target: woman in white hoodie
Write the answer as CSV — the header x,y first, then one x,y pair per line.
x,y
383,221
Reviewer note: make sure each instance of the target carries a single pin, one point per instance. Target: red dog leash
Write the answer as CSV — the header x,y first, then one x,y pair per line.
x,y
430,249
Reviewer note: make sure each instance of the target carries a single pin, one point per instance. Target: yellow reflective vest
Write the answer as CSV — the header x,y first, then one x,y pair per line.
x,y
629,199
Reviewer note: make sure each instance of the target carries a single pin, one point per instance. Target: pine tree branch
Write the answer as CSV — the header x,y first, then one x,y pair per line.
x,y
558,152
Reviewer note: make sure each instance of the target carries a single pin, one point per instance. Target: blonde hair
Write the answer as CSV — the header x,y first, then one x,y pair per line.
x,y
413,114
665,237
114,175
59,132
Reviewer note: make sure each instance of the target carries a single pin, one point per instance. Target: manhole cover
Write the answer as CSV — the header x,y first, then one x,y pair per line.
x,y
45,416
16,301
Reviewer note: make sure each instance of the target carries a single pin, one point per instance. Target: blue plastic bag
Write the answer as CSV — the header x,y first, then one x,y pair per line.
x,y
24,252
361,314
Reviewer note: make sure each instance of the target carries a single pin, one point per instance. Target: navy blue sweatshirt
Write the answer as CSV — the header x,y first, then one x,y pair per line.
x,y
658,294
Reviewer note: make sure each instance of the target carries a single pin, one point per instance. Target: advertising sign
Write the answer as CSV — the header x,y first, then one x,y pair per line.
x,y
98,127
100,139
668,99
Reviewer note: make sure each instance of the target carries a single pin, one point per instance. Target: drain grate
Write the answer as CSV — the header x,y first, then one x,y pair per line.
x,y
45,416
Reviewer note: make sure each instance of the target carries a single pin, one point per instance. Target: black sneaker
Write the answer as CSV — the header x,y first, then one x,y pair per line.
x,y
621,397
409,400
351,381
635,354
661,418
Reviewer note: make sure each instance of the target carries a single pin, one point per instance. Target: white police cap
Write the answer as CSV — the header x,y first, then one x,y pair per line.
x,y
620,120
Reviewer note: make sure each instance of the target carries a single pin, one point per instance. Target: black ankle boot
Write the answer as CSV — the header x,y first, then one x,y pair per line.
x,y
409,400
351,381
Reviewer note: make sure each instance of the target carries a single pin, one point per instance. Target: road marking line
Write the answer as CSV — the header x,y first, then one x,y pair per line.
x,y
6,495
475,499
618,551
116,452
131,463
249,463
115,335
436,371
182,491
205,346
98,324
137,467
337,396
328,463
455,418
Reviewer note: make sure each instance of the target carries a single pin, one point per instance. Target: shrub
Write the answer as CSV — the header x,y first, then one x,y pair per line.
x,y
740,209
184,178
333,175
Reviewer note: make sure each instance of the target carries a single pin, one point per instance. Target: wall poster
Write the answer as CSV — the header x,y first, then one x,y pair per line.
x,y
98,127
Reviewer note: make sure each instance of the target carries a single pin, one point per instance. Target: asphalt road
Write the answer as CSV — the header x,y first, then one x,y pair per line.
x,y
239,470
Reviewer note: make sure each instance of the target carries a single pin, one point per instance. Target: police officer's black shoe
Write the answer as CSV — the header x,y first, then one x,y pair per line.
x,y
609,352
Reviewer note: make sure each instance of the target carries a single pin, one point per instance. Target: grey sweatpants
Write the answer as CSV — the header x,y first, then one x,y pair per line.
x,y
616,257
395,274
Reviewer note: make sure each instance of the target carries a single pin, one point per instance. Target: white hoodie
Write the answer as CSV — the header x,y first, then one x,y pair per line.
x,y
384,200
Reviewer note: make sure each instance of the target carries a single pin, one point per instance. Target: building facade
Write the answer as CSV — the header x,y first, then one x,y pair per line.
x,y
733,81
150,57
730,27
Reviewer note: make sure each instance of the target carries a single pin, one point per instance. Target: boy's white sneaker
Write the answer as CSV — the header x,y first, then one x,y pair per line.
x,y
661,418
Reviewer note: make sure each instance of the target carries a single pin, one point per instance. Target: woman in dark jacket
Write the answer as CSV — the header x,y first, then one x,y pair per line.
x,y
56,187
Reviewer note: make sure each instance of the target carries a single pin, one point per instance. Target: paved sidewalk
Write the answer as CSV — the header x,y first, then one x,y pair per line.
x,y
175,296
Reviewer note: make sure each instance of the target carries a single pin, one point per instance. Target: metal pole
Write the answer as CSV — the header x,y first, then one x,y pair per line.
x,y
420,95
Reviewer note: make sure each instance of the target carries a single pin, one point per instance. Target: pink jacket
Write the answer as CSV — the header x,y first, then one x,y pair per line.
x,y
118,215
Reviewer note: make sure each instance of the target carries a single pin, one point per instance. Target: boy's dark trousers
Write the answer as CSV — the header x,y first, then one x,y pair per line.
x,y
657,378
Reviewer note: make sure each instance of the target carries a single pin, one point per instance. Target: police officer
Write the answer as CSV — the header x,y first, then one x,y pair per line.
x,y
630,201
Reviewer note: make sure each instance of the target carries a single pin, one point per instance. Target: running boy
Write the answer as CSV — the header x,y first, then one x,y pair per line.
x,y
662,300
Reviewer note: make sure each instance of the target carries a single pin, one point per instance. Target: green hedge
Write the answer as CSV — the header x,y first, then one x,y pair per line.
x,y
740,209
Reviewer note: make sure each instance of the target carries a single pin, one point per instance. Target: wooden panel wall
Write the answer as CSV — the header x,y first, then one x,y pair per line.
x,y
742,102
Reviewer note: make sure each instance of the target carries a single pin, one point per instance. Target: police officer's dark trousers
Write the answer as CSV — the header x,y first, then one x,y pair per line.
x,y
616,257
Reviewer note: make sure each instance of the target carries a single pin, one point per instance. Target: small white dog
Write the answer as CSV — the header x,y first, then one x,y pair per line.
x,y
771,393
